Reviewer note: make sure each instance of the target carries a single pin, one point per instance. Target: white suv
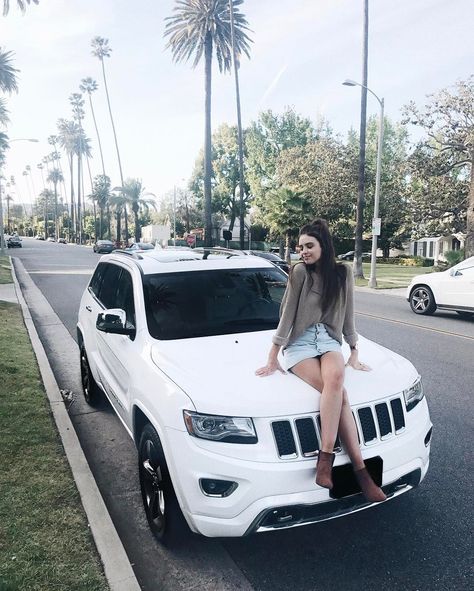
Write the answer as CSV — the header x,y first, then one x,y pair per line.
x,y
173,338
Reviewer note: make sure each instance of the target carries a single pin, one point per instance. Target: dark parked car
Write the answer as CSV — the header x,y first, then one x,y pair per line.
x,y
272,257
14,242
104,246
349,256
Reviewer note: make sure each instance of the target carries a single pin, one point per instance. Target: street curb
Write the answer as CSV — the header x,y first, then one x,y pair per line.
x,y
117,568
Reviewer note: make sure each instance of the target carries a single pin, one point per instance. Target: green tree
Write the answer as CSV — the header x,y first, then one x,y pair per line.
x,y
266,139
197,28
284,212
67,139
225,174
448,120
20,3
136,197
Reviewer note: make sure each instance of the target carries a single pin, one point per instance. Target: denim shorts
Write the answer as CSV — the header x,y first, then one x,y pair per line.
x,y
314,342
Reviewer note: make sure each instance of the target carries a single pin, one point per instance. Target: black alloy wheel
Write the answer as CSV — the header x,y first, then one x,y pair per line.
x,y
161,506
92,392
422,300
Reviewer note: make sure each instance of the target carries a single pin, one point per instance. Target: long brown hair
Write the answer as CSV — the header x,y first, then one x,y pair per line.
x,y
333,275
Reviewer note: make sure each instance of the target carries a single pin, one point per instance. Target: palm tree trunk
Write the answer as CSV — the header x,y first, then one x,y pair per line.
x,y
119,229
363,124
137,223
72,232
239,130
56,228
112,121
98,136
125,215
79,214
207,143
469,244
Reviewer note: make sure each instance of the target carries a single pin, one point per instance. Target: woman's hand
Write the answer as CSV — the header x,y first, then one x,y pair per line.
x,y
354,362
272,366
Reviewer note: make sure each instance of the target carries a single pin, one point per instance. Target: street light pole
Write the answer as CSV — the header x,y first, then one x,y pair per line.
x,y
376,220
2,233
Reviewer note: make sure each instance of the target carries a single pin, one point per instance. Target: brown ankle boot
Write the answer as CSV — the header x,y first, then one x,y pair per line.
x,y
372,492
324,469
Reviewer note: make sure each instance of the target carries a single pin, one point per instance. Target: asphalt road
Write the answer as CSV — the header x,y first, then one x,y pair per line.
x,y
419,541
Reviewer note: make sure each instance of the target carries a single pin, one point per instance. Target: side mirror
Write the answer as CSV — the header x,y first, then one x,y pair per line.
x,y
114,321
454,272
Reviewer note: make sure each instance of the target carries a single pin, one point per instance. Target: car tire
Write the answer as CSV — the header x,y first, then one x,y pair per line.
x,y
92,392
162,509
422,300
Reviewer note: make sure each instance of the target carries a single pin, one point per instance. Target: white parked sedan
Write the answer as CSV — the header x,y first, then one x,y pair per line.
x,y
449,290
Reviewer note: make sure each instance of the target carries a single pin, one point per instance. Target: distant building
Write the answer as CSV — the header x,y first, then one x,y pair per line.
x,y
156,233
434,247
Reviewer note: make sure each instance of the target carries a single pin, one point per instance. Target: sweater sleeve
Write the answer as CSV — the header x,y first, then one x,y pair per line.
x,y
348,329
289,305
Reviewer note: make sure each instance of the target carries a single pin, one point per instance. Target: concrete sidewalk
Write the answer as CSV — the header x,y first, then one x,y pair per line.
x,y
8,293
117,568
393,291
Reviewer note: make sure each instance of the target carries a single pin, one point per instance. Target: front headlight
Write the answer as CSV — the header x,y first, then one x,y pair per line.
x,y
218,428
414,394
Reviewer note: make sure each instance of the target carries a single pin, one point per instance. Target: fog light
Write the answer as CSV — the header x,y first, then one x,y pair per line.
x,y
428,437
217,488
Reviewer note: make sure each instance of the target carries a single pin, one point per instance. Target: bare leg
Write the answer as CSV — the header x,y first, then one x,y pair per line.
x,y
332,373
309,371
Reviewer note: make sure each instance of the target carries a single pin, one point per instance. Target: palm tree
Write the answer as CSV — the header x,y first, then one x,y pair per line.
x,y
101,49
67,135
284,212
136,196
4,119
55,177
196,28
101,194
8,81
89,85
20,3
77,103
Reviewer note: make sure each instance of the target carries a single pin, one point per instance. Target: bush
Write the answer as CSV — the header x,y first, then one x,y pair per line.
x,y
416,261
454,257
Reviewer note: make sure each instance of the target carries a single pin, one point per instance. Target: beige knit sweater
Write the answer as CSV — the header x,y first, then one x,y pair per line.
x,y
301,308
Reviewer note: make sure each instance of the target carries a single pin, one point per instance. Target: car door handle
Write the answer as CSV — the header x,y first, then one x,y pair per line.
x,y
88,308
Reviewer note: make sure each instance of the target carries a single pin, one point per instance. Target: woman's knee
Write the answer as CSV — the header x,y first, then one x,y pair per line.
x,y
335,381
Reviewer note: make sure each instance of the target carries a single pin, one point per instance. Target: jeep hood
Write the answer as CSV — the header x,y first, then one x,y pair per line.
x,y
218,374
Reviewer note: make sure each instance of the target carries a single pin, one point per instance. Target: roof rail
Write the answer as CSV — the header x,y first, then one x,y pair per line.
x,y
218,250
134,255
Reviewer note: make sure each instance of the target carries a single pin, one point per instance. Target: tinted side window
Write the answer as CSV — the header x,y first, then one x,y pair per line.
x,y
125,296
96,280
108,289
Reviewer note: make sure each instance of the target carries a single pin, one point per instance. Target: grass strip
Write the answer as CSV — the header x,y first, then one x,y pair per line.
x,y
390,276
5,274
45,541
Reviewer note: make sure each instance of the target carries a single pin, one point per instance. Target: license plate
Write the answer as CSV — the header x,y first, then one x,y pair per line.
x,y
344,480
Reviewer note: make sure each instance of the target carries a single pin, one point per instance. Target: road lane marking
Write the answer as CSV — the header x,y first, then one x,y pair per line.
x,y
412,324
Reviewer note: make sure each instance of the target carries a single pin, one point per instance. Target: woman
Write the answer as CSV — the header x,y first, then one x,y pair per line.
x,y
316,310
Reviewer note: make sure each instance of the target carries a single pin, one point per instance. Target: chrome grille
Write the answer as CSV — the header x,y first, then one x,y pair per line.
x,y
302,437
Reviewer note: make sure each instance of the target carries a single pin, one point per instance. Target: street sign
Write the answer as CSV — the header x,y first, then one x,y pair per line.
x,y
191,239
376,223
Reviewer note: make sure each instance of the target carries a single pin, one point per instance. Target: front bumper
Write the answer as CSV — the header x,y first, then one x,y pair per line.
x,y
281,494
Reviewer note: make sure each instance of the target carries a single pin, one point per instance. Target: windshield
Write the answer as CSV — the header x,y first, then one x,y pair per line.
x,y
215,302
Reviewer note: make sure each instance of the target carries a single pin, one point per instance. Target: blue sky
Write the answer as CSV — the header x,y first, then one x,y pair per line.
x,y
302,51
